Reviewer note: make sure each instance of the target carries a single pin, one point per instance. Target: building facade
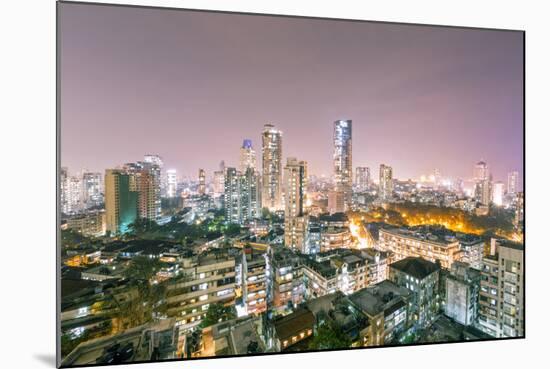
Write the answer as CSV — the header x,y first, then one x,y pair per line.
x,y
272,174
342,159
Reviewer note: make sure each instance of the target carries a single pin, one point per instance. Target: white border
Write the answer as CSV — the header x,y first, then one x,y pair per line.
x,y
28,180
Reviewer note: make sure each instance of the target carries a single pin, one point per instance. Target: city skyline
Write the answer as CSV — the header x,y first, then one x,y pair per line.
x,y
465,104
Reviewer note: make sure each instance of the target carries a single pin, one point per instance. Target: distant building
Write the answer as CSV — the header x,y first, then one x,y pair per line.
x,y
272,174
421,277
88,224
296,221
362,178
336,202
92,189
121,201
342,159
498,193
247,157
512,185
202,182
172,183
385,184
241,196
462,293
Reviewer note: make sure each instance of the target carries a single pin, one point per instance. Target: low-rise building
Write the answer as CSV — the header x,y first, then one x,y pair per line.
x,y
287,278
462,293
421,277
385,304
205,279
430,243
293,328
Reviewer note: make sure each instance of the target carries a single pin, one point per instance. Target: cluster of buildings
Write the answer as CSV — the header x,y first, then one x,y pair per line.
x,y
297,267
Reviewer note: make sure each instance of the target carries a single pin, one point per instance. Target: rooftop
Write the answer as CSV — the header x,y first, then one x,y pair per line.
x,y
416,267
382,297
294,323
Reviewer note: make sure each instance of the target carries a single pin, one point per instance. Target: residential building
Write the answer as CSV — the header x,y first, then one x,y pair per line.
x,y
362,178
342,159
272,174
385,183
121,201
421,277
247,157
462,293
206,279
253,281
434,244
296,220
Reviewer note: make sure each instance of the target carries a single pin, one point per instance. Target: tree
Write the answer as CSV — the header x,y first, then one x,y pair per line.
x,y
329,336
218,313
142,268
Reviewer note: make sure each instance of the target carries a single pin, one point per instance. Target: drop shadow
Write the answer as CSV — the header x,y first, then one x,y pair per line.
x,y
48,359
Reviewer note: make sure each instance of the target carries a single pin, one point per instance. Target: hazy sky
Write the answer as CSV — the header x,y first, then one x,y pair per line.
x,y
191,86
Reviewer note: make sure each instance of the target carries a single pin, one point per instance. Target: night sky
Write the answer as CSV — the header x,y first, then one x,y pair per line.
x,y
191,86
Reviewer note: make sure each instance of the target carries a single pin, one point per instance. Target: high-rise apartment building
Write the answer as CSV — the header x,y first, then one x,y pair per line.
x,y
171,183
247,157
481,171
202,182
462,293
241,196
501,296
362,178
272,174
498,193
92,189
518,214
75,200
218,184
162,179
513,178
342,159
121,200
63,189
483,191
385,185
336,202
296,221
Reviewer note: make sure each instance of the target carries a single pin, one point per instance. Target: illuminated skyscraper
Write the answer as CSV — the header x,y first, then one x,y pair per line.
x,y
272,175
362,178
385,185
296,222
482,179
512,182
218,184
202,182
64,189
342,159
121,200
481,171
162,177
247,156
92,191
75,201
171,183
518,214
498,193
241,196
146,176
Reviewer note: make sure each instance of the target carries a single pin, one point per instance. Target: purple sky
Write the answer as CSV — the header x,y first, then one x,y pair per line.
x,y
191,86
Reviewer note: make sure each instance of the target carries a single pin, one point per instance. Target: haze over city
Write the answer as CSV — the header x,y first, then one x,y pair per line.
x,y
190,86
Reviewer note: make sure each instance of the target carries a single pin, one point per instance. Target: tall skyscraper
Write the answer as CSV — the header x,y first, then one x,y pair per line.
x,y
481,171
202,182
518,210
121,200
74,195
296,221
272,175
146,176
482,180
342,159
247,157
64,189
171,183
241,196
362,178
512,182
385,185
498,193
162,176
92,189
